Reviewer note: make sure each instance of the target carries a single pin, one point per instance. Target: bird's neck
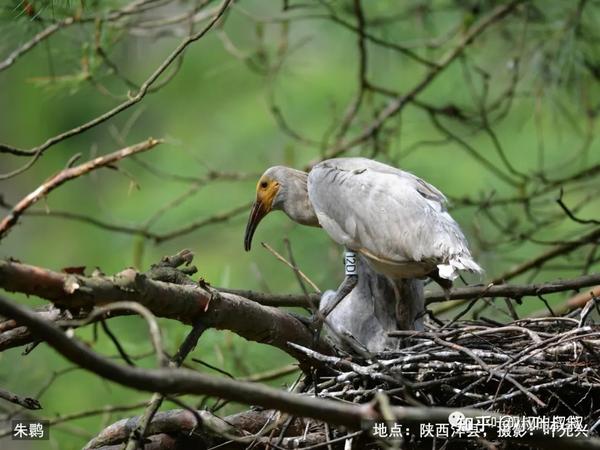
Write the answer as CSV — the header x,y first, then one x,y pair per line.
x,y
305,214
298,206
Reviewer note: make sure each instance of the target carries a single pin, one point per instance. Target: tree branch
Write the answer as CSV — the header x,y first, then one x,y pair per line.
x,y
132,100
554,252
175,381
515,291
137,435
25,402
68,174
181,421
397,104
183,302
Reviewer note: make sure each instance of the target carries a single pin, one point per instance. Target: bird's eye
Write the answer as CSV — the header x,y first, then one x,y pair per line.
x,y
264,184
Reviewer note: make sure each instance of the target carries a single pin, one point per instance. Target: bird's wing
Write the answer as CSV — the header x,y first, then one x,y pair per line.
x,y
391,214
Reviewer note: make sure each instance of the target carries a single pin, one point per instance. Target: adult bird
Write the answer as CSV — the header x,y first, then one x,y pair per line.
x,y
392,218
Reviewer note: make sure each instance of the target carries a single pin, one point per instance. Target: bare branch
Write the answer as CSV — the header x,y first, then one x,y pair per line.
x,y
42,35
296,270
556,251
136,230
180,421
137,435
515,291
171,381
70,174
570,214
25,402
215,218
397,104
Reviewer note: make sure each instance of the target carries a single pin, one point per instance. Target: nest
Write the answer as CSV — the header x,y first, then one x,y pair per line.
x,y
531,367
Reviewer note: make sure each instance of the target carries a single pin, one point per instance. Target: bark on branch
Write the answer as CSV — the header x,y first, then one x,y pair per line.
x,y
181,421
252,315
183,302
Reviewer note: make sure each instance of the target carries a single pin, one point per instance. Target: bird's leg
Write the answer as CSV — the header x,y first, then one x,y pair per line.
x,y
342,291
350,280
445,284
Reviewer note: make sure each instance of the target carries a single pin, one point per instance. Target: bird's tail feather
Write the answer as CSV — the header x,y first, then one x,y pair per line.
x,y
450,270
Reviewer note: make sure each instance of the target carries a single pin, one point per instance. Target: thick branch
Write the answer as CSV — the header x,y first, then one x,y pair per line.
x,y
252,315
181,421
185,303
278,300
175,381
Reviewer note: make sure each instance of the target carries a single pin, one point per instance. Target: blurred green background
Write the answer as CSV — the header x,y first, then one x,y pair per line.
x,y
215,117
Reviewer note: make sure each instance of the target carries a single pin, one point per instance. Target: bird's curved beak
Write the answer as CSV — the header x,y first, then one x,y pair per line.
x,y
259,210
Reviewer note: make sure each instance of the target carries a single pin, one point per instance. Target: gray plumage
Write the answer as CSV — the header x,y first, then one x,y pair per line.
x,y
370,311
396,220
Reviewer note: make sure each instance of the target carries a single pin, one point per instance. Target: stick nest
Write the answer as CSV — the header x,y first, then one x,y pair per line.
x,y
531,367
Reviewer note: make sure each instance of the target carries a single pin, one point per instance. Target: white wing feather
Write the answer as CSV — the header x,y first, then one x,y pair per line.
x,y
388,213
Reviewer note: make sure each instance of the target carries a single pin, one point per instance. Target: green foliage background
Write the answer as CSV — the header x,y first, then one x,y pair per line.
x,y
215,116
